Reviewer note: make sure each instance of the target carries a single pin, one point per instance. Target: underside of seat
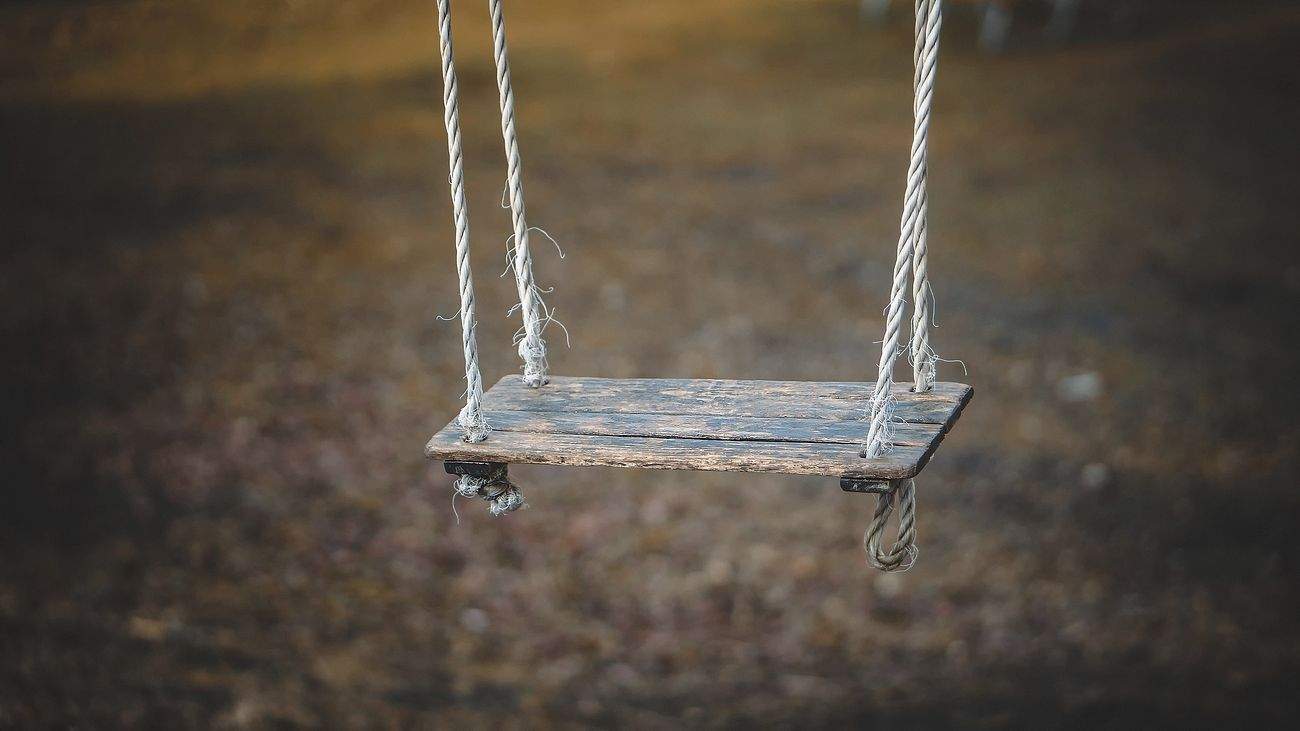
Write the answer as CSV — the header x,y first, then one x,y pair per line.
x,y
789,427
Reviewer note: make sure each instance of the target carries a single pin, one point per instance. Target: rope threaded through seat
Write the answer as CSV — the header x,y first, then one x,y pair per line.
x,y
923,359
927,57
471,417
531,346
911,263
474,426
534,357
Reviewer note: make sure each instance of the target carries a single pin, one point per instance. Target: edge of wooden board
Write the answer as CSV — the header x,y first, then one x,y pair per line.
x,y
471,452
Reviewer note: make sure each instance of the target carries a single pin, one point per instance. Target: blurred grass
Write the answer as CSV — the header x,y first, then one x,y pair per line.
x,y
229,237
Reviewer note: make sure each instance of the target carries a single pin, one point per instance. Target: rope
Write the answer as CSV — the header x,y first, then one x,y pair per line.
x,y
902,555
911,263
926,57
923,359
532,349
471,417
500,493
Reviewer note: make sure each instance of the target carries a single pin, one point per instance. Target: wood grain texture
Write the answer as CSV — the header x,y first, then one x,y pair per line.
x,y
773,399
695,426
789,427
581,450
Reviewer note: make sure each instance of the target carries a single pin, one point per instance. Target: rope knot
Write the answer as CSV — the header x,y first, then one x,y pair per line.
x,y
496,489
507,501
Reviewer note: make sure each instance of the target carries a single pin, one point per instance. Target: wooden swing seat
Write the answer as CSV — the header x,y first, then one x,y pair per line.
x,y
788,427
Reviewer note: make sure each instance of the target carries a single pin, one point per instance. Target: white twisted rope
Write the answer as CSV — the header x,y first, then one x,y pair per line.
x,y
923,359
927,56
911,263
471,417
531,346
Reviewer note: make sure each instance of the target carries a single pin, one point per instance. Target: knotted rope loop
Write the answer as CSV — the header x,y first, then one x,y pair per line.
x,y
901,556
496,489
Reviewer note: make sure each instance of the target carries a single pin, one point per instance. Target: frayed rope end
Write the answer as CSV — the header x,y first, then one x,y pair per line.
x,y
496,489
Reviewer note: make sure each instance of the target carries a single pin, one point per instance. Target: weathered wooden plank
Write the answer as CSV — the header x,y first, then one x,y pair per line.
x,y
796,458
696,426
942,390
758,399
719,390
744,426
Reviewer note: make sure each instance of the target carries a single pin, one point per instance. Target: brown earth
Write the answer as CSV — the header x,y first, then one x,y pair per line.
x,y
228,236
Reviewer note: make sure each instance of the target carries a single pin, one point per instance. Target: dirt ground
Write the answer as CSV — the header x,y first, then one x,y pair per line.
x,y
228,235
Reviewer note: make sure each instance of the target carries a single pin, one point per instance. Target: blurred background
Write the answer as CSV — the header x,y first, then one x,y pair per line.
x,y
227,238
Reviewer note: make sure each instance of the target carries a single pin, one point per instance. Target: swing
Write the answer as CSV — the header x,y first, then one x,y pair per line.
x,y
876,437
